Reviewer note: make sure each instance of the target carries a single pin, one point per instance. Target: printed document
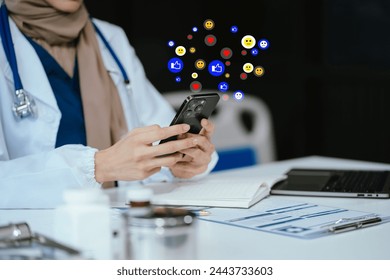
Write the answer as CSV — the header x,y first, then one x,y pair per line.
x,y
295,219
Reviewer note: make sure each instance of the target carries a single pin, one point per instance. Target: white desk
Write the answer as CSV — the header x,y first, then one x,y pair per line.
x,y
218,241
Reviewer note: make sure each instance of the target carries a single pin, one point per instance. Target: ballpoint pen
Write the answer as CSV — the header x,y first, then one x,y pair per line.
x,y
354,224
202,213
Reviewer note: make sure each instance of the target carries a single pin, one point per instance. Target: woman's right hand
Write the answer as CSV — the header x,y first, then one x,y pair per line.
x,y
135,157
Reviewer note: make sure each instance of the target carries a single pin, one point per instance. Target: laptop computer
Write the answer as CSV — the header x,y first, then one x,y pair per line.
x,y
335,183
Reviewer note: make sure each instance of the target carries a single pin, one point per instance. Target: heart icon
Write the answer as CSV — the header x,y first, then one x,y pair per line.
x,y
196,86
226,53
210,40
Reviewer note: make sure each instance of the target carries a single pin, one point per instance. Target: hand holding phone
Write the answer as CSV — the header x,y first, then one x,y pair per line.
x,y
193,109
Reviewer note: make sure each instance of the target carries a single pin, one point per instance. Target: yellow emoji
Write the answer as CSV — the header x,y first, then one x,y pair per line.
x,y
247,67
248,41
180,50
200,64
208,24
259,71
192,50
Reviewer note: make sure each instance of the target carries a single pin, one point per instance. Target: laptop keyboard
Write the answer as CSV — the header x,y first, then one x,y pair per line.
x,y
357,182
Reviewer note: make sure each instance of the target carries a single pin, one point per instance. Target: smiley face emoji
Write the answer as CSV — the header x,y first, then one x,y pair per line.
x,y
180,50
259,71
200,64
247,67
192,50
208,24
248,41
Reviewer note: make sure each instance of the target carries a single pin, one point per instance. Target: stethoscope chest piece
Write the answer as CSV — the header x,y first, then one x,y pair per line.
x,y
24,105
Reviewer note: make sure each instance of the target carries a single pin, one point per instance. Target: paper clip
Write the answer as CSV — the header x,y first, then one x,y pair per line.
x,y
346,224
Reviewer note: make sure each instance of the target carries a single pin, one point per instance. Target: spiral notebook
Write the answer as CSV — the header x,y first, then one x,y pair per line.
x,y
217,192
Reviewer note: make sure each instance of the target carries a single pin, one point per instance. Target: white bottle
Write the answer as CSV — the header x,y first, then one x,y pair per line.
x,y
84,222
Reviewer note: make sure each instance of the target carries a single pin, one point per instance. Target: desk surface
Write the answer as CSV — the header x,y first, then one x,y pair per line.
x,y
219,241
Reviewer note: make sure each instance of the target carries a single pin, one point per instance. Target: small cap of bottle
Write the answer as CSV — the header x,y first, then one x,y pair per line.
x,y
139,196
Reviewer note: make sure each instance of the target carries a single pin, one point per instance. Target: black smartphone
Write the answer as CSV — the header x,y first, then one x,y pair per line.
x,y
193,109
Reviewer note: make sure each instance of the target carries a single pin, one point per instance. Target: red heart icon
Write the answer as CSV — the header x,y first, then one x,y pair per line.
x,y
226,52
210,40
195,86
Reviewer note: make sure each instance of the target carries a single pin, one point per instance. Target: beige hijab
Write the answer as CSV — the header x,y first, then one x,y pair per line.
x,y
64,35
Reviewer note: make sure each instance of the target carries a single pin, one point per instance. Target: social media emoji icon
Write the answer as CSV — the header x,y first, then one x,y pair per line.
x,y
254,51
175,65
208,24
243,76
238,95
216,68
259,71
210,40
229,62
247,67
200,64
223,86
226,53
195,86
263,44
180,50
248,41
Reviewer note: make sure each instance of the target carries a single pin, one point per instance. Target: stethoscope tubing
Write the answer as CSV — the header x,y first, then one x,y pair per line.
x,y
23,101
8,45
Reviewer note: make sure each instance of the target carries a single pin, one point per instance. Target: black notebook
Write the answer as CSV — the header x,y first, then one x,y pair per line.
x,y
335,182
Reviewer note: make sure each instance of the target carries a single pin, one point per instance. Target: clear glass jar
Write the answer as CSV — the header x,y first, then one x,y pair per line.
x,y
161,233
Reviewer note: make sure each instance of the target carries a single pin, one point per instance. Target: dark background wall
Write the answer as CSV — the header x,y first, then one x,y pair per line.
x,y
327,81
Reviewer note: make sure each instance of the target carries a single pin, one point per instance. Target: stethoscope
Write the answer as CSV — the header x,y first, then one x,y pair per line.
x,y
24,105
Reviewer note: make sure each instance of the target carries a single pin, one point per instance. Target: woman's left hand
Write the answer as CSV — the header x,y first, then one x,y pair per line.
x,y
195,160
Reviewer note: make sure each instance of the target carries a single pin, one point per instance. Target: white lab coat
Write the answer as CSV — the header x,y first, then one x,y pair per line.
x,y
32,172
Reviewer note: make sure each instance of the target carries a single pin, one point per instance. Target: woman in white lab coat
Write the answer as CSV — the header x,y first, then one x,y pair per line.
x,y
34,170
